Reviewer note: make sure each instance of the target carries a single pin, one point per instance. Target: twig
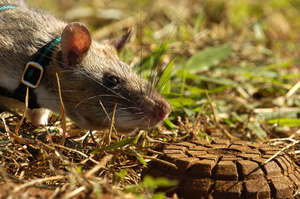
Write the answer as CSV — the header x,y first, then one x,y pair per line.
x,y
161,161
280,151
293,90
12,135
23,116
112,124
36,181
100,165
75,192
216,119
55,193
76,151
62,111
106,113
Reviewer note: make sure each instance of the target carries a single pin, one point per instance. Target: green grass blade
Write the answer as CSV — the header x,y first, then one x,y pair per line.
x,y
208,57
291,122
150,62
122,143
165,77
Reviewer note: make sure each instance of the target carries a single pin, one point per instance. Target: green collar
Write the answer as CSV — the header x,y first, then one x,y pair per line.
x,y
5,7
33,71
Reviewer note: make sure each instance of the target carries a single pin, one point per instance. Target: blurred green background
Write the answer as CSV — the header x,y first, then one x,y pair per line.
x,y
233,62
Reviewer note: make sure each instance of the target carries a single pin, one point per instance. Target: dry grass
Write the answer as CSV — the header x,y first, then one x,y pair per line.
x,y
264,39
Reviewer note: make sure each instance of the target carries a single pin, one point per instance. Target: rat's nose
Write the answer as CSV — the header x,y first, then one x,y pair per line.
x,y
163,109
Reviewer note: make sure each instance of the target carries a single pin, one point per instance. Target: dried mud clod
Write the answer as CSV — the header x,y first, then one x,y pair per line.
x,y
224,169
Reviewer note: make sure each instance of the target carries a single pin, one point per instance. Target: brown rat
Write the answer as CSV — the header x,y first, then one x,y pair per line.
x,y
90,73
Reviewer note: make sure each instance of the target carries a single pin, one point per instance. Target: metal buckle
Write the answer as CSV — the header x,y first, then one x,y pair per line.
x,y
32,74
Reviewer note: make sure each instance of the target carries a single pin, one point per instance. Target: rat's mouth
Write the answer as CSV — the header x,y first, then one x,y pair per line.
x,y
141,115
123,124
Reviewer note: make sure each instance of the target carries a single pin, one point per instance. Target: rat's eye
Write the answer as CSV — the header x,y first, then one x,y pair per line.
x,y
111,81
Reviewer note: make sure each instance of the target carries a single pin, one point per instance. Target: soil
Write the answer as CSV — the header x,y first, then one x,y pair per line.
x,y
224,169
218,170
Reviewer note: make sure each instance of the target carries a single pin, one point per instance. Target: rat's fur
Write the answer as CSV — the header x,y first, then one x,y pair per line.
x,y
23,31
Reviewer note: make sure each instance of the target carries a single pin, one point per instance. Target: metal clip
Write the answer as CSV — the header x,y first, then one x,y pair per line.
x,y
32,74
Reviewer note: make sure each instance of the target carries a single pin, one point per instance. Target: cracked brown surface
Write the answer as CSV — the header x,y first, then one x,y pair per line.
x,y
228,170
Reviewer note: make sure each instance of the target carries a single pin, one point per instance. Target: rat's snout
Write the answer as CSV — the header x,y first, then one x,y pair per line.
x,y
163,109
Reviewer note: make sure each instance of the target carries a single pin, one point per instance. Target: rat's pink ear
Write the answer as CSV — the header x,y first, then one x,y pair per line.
x,y
119,43
75,40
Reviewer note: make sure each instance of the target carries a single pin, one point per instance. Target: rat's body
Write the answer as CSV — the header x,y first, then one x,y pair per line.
x,y
90,73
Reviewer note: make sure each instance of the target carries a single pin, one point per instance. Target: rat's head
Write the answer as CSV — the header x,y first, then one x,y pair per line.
x,y
95,84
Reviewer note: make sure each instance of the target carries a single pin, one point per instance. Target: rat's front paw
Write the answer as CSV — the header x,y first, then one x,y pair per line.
x,y
38,116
